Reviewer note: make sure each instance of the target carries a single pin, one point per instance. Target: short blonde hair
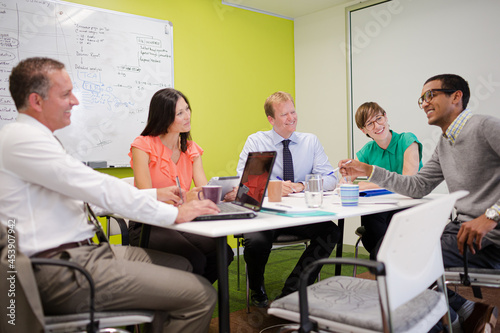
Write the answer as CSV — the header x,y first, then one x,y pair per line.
x,y
277,97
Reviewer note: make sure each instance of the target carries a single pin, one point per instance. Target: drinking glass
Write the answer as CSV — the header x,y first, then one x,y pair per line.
x,y
314,190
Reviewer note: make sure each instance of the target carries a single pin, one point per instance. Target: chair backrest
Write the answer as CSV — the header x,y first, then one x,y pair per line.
x,y
411,249
114,227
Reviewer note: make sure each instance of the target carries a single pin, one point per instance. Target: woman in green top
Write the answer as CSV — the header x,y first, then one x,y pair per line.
x,y
401,153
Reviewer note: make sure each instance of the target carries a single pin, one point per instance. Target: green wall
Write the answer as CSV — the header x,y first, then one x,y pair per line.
x,y
227,61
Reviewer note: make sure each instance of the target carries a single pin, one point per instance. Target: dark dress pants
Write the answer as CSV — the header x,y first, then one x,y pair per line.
x,y
324,236
375,228
487,257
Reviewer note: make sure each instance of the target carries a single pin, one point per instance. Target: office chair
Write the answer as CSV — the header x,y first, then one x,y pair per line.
x,y
119,226
409,262
91,321
472,277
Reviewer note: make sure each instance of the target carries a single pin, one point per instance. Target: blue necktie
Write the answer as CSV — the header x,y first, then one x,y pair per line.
x,y
287,162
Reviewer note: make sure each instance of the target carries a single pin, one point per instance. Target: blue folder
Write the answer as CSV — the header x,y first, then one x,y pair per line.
x,y
374,192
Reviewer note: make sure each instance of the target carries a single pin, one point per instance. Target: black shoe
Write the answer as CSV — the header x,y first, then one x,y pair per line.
x,y
482,319
259,297
284,293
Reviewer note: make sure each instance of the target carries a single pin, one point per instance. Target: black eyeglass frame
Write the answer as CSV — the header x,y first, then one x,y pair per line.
x,y
431,94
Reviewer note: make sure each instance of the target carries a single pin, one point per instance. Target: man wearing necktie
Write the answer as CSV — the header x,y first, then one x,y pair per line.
x,y
299,154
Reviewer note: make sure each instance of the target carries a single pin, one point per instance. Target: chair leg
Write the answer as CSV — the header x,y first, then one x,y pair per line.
x,y
356,248
360,232
248,288
238,261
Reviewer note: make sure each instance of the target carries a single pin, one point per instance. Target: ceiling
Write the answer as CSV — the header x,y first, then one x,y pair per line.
x,y
286,8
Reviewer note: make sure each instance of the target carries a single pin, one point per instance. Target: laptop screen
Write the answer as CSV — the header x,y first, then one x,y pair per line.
x,y
253,183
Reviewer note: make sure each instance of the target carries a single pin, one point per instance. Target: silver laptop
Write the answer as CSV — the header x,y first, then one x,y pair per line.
x,y
251,189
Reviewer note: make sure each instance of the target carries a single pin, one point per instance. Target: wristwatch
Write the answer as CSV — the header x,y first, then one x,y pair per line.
x,y
492,214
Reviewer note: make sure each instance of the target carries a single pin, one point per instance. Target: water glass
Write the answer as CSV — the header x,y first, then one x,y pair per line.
x,y
314,190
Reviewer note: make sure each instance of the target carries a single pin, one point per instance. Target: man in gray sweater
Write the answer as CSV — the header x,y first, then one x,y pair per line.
x,y
467,157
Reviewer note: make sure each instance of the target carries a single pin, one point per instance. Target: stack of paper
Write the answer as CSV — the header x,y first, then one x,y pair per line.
x,y
278,208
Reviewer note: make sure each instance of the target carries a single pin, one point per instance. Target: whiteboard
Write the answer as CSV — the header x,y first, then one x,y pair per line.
x,y
116,62
397,45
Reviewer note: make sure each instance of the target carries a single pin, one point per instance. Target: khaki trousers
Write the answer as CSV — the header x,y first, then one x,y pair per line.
x,y
132,278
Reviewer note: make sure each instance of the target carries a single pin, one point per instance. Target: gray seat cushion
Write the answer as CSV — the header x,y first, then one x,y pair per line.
x,y
355,302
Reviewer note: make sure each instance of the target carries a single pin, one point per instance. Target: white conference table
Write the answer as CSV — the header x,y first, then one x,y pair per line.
x,y
264,221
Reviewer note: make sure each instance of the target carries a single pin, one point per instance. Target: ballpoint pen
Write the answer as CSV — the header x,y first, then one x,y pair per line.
x,y
279,178
180,189
337,169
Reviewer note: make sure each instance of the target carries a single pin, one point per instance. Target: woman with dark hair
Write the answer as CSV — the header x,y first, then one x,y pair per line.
x,y
162,154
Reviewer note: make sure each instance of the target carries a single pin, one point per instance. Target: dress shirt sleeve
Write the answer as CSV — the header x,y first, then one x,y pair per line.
x,y
322,166
101,211
40,160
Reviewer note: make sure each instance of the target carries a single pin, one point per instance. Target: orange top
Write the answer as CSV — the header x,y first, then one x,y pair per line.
x,y
161,167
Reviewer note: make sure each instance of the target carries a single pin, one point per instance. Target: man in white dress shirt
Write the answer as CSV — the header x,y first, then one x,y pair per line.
x,y
43,190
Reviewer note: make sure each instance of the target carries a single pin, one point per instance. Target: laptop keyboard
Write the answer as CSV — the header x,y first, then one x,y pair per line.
x,y
227,207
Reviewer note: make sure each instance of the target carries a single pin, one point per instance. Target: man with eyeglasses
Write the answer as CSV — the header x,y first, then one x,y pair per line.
x,y
467,157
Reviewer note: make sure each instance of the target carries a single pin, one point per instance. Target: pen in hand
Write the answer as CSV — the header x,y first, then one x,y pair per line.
x,y
337,169
279,178
180,189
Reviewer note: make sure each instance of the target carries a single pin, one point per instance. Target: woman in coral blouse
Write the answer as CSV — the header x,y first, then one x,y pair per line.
x,y
162,153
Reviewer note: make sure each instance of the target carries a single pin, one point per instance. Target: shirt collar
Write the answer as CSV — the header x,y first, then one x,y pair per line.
x,y
25,119
278,138
456,126
391,148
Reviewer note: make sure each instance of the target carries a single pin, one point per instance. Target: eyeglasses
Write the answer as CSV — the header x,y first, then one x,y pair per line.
x,y
429,95
379,120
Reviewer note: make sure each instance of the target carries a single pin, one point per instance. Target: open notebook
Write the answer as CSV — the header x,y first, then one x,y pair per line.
x,y
251,189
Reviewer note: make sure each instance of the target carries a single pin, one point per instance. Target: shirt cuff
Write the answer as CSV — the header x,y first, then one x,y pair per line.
x,y
304,184
371,174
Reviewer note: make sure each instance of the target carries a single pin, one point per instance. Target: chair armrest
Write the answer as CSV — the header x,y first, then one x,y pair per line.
x,y
122,224
145,233
93,326
123,230
378,268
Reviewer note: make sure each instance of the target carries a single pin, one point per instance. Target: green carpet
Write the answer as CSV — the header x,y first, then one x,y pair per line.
x,y
281,261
